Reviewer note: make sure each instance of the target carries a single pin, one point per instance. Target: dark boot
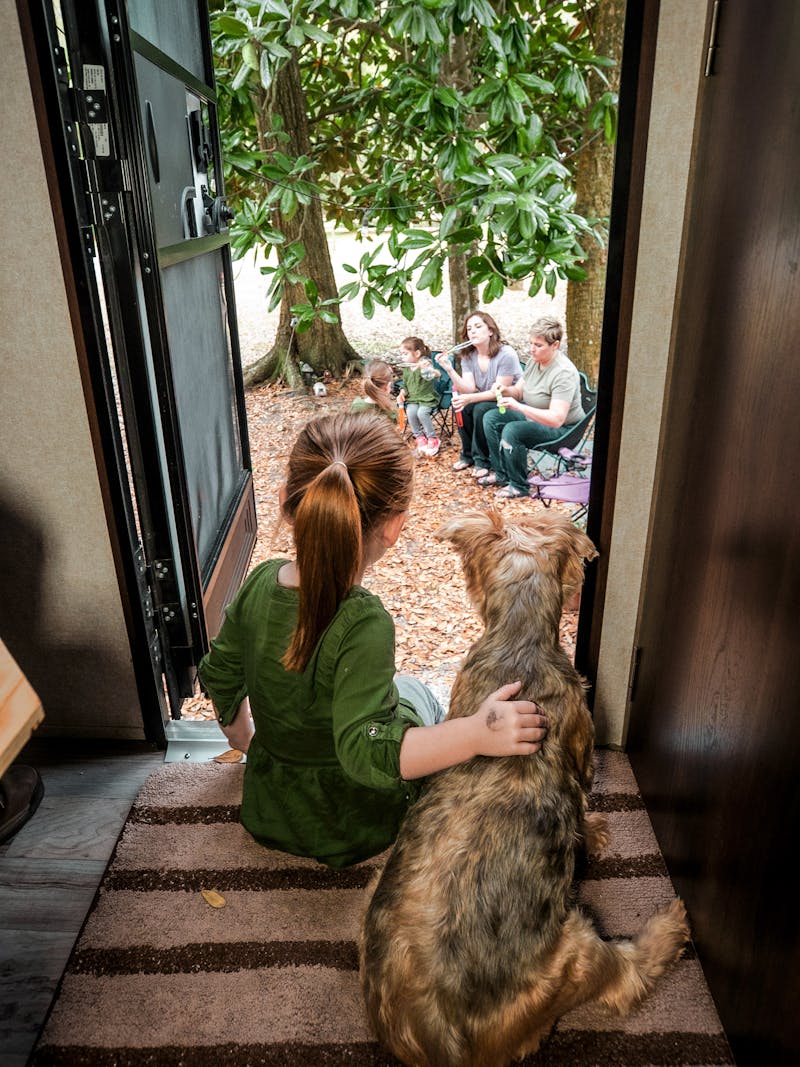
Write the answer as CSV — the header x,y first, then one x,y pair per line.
x,y
21,791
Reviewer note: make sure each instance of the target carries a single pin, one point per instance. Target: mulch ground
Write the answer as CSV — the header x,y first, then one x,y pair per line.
x,y
419,580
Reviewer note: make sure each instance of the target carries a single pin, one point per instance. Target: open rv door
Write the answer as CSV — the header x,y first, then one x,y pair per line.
x,y
131,103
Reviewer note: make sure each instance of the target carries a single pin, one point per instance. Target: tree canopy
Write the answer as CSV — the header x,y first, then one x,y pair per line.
x,y
447,128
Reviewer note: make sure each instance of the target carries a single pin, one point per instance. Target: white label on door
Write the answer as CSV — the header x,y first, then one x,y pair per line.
x,y
94,76
102,141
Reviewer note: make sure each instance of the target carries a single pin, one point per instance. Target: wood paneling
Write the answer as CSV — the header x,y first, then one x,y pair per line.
x,y
715,735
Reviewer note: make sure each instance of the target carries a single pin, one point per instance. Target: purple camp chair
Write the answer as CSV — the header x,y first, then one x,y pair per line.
x,y
568,486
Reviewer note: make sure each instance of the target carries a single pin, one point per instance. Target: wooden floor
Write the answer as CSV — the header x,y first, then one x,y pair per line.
x,y
50,871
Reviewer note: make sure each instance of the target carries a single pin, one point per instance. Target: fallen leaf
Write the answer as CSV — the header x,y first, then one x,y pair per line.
x,y
210,896
233,755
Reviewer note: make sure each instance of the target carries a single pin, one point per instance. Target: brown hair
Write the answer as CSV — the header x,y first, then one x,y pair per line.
x,y
416,344
548,328
378,374
346,475
495,341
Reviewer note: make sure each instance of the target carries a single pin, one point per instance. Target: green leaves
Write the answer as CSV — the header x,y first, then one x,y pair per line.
x,y
445,126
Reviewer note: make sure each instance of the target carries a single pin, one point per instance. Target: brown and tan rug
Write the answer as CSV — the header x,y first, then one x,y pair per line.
x,y
160,977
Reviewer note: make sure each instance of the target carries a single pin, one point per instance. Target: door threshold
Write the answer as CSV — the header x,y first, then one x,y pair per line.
x,y
190,741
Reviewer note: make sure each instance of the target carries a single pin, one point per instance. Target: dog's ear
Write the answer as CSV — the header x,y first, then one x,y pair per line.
x,y
465,531
475,536
581,550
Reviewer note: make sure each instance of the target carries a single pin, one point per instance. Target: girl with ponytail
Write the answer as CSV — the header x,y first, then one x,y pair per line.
x,y
377,385
302,673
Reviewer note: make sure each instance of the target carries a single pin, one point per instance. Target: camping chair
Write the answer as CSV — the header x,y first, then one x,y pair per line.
x,y
443,416
574,438
571,486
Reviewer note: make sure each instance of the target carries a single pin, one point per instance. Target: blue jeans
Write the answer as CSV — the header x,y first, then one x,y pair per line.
x,y
421,699
509,437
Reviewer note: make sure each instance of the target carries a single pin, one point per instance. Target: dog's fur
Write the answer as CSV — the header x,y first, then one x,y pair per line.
x,y
471,946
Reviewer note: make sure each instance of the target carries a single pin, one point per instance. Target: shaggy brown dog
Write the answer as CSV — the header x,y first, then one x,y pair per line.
x,y
471,947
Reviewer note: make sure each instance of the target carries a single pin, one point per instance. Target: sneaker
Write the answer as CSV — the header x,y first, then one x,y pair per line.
x,y
434,445
422,445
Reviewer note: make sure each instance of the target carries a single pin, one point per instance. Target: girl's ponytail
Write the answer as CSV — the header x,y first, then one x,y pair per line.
x,y
329,543
346,475
377,375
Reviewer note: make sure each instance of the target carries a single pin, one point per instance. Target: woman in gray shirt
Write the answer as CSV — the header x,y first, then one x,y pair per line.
x,y
488,364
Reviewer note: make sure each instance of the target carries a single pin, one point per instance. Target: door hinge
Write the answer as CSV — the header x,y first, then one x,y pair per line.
x,y
712,38
90,106
633,676
155,649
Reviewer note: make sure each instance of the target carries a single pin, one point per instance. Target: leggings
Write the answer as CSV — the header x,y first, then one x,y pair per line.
x,y
421,699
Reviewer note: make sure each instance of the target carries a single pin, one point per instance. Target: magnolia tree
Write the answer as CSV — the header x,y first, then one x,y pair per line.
x,y
450,129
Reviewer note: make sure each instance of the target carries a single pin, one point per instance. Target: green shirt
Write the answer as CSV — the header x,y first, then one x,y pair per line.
x,y
361,405
323,769
559,380
419,390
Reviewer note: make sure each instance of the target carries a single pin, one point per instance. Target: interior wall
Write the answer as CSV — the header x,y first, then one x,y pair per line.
x,y
60,608
679,63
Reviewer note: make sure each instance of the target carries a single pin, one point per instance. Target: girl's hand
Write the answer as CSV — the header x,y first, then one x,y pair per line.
x,y
240,732
506,727
401,397
459,401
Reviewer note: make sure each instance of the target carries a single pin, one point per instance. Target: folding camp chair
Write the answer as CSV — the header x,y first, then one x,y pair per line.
x,y
573,438
444,418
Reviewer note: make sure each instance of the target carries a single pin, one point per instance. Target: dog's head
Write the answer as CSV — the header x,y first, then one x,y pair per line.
x,y
498,556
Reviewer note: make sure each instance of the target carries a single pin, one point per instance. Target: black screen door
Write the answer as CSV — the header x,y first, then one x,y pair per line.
x,y
137,107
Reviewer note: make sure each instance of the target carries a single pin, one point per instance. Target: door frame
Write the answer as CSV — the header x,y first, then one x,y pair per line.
x,y
635,93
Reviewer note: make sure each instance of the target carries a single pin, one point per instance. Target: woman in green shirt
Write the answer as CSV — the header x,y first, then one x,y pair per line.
x,y
302,673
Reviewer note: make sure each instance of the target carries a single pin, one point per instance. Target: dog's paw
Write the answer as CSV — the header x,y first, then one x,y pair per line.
x,y
677,924
595,832
663,938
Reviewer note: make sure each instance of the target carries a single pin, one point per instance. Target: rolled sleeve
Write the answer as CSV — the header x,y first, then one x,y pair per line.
x,y
221,670
368,721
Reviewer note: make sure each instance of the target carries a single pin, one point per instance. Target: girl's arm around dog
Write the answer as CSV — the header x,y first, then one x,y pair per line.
x,y
500,727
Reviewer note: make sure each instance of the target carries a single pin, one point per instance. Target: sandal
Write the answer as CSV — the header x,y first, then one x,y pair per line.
x,y
508,492
479,472
461,465
489,479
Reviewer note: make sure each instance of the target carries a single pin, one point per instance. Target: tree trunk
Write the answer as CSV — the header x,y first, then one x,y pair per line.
x,y
593,188
324,346
455,73
463,295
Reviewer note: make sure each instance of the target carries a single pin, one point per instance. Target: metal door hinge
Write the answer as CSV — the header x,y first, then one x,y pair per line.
x,y
91,107
712,38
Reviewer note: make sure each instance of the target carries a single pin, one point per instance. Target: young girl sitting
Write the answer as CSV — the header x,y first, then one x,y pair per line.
x,y
419,393
377,385
302,674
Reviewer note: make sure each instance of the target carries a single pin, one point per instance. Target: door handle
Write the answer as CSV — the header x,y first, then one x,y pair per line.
x,y
217,210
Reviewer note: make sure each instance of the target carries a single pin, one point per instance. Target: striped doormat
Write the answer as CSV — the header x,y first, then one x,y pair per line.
x,y
160,977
